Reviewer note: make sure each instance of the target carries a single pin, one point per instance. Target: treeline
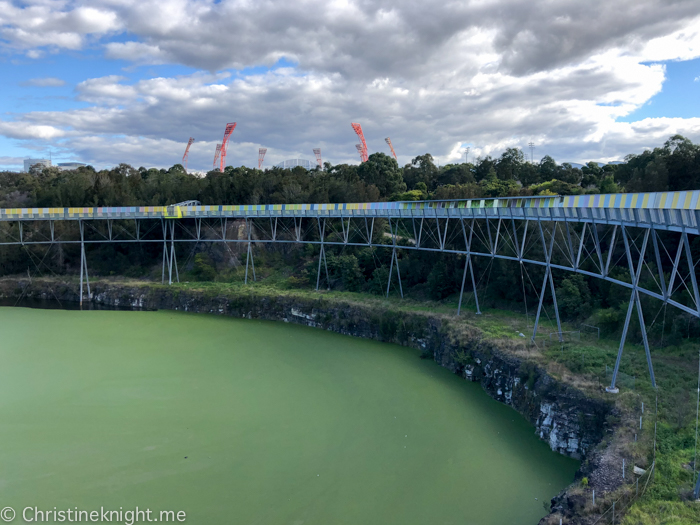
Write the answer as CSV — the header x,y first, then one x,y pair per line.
x,y
673,166
425,275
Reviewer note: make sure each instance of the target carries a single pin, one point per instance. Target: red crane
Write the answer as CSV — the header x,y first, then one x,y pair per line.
x,y
388,141
185,157
224,143
261,156
358,130
216,155
317,152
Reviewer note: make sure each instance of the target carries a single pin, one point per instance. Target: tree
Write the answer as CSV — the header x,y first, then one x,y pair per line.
x,y
440,281
592,174
484,167
567,173
203,268
548,168
422,169
608,185
492,186
382,171
682,158
647,172
459,191
456,174
509,164
574,298
529,174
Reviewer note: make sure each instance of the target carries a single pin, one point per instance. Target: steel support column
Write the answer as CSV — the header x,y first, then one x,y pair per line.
x,y
166,258
322,256
611,249
420,232
674,271
691,269
394,258
659,269
594,229
249,255
634,299
547,277
83,264
172,261
297,229
498,235
468,264
580,246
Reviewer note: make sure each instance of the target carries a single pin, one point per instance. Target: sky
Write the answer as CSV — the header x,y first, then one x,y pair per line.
x,y
110,81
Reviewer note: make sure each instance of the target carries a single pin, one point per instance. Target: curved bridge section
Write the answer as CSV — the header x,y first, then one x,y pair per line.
x,y
673,211
643,242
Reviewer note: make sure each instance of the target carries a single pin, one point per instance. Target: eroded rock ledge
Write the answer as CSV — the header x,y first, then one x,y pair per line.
x,y
569,421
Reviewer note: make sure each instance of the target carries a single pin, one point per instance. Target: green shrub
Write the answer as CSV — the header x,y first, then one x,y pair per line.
x,y
203,268
608,320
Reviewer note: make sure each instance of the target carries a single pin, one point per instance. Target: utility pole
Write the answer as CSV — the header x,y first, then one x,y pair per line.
x,y
532,151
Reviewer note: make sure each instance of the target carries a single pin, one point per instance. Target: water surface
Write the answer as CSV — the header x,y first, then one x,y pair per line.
x,y
251,422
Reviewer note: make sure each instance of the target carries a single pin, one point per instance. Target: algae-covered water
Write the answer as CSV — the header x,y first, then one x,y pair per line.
x,y
249,422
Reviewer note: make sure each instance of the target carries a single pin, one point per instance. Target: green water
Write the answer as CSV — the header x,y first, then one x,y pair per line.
x,y
250,422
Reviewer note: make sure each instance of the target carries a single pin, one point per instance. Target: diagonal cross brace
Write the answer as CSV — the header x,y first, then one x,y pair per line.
x,y
547,277
634,300
468,264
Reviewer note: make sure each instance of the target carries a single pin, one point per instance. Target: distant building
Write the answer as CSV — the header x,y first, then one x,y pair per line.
x,y
28,163
293,163
65,166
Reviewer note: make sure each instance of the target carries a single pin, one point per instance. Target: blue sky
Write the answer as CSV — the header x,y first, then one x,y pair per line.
x,y
679,97
137,78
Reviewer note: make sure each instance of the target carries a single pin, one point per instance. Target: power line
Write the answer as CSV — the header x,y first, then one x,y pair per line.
x,y
532,151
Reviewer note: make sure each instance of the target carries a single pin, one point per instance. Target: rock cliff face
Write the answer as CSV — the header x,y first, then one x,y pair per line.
x,y
571,423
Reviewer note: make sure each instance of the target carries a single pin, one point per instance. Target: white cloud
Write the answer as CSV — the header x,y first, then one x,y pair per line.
x,y
135,52
430,75
44,82
9,163
25,130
